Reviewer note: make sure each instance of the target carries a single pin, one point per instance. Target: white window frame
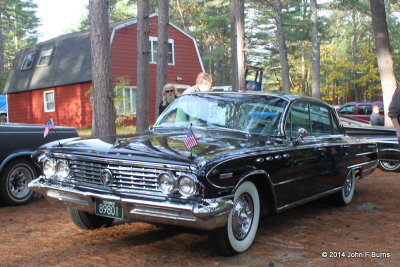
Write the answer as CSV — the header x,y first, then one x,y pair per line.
x,y
125,104
24,62
153,52
45,102
46,53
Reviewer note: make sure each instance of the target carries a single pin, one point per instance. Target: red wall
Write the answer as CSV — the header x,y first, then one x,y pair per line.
x,y
72,106
72,102
124,59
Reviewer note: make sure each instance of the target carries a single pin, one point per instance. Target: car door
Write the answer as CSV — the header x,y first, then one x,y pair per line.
x,y
311,159
364,112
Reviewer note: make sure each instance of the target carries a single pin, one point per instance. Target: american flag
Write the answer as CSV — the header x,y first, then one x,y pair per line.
x,y
49,126
190,140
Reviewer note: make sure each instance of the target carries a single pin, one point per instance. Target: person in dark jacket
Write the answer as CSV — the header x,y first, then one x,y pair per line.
x,y
394,111
376,119
169,93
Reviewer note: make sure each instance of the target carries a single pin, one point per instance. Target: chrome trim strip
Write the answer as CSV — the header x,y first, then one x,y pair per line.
x,y
308,199
124,162
290,149
375,162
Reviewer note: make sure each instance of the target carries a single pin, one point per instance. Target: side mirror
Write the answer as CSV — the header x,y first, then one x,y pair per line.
x,y
301,133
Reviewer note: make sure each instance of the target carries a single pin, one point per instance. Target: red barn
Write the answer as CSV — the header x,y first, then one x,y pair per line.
x,y
53,78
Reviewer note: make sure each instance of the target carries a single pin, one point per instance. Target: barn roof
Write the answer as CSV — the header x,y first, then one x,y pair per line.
x,y
70,61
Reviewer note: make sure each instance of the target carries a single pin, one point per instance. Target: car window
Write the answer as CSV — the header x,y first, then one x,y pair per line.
x,y
381,111
298,117
320,120
348,109
252,115
364,109
317,120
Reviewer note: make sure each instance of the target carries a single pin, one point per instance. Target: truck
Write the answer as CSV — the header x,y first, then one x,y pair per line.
x,y
17,142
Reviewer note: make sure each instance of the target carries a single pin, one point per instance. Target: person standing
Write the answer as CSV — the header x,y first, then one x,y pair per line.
x,y
376,119
169,94
203,83
394,111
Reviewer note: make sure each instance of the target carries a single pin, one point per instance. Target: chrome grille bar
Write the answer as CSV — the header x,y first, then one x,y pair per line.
x,y
126,178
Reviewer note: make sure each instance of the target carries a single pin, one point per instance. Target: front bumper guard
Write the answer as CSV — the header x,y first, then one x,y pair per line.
x,y
207,214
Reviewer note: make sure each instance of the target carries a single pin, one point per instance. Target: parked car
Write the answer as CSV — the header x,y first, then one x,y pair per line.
x,y
18,141
360,111
253,154
386,139
3,109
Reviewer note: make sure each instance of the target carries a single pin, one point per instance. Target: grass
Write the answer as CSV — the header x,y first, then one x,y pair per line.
x,y
123,130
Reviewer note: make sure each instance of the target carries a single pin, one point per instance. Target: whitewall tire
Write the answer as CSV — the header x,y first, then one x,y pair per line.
x,y
239,232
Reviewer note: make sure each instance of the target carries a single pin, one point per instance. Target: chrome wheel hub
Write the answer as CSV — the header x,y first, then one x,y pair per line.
x,y
242,217
18,182
348,184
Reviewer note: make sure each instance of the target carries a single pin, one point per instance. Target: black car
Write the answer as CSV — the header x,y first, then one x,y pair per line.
x,y
252,154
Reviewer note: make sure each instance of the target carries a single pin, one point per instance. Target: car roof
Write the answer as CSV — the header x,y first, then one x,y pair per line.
x,y
288,97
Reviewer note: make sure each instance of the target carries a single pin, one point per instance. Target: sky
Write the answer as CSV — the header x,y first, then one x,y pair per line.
x,y
57,16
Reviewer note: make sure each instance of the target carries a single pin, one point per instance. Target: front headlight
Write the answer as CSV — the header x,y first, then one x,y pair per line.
x,y
62,169
166,183
187,186
49,168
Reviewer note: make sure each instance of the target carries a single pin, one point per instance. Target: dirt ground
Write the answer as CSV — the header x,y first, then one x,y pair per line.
x,y
365,233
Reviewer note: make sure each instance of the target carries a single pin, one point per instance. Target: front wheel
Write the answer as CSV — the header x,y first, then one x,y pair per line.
x,y
345,196
239,232
389,166
87,221
14,180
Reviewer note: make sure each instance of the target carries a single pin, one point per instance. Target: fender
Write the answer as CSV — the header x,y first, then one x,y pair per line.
x,y
13,156
266,179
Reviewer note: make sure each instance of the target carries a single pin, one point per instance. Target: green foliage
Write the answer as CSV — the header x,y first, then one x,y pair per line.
x,y
18,23
348,61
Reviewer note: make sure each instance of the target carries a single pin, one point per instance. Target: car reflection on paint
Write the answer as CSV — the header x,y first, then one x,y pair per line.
x,y
255,154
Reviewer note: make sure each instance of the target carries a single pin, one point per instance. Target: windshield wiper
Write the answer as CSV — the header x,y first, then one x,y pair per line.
x,y
247,133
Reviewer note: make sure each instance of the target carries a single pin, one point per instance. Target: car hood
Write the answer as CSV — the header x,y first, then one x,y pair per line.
x,y
166,146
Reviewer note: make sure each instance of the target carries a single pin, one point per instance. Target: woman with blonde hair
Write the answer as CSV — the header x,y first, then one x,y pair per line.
x,y
169,94
203,83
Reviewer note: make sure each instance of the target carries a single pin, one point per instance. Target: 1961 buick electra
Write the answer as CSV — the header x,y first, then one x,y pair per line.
x,y
253,154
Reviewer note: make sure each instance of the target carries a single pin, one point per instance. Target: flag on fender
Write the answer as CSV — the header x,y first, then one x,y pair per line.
x,y
190,140
49,127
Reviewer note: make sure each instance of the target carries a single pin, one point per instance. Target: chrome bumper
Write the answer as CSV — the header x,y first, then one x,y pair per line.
x,y
207,214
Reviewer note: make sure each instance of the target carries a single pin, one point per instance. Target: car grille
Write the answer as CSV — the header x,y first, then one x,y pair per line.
x,y
126,178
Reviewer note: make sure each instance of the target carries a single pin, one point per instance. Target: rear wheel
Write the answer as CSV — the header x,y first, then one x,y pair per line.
x,y
345,196
239,232
87,221
389,166
14,180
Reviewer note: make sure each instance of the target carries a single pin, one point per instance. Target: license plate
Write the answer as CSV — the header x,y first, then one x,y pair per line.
x,y
109,208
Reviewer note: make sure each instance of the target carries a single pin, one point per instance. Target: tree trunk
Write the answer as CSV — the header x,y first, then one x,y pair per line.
x,y
1,52
143,50
237,44
384,54
103,95
162,52
282,47
316,80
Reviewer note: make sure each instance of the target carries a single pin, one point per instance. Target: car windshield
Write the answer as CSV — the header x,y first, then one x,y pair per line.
x,y
257,114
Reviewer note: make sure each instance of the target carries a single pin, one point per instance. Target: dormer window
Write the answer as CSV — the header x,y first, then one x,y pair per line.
x,y
45,57
29,58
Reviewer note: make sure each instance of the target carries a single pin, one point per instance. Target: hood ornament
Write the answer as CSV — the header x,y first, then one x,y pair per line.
x,y
106,177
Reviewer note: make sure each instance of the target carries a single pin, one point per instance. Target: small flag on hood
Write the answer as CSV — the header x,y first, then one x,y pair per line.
x,y
49,127
190,140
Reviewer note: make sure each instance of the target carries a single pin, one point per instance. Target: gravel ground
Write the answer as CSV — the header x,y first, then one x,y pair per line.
x,y
365,233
